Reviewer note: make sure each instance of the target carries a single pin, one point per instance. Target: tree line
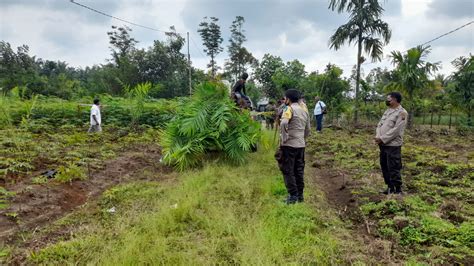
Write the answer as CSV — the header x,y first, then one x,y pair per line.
x,y
165,67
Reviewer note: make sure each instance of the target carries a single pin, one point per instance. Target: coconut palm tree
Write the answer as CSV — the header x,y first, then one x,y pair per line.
x,y
412,72
364,28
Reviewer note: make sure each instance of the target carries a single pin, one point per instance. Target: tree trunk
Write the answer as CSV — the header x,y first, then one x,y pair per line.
x,y
431,123
450,116
424,117
359,51
469,117
410,119
410,112
212,66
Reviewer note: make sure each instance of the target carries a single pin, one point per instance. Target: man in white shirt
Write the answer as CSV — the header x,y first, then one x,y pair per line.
x,y
95,117
319,110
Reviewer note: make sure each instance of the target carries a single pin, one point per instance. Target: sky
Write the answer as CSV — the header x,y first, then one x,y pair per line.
x,y
291,29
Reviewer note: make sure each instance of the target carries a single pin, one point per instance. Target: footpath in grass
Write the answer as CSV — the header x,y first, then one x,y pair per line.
x,y
219,214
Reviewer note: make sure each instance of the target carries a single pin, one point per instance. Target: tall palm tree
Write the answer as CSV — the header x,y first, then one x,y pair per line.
x,y
364,28
412,73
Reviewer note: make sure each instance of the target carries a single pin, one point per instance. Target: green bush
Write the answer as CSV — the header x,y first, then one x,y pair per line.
x,y
465,126
209,124
70,173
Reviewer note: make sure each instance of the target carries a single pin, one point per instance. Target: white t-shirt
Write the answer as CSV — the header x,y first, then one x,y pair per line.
x,y
317,109
95,111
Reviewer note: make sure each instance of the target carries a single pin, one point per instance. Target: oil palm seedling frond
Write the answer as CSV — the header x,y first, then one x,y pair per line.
x,y
209,122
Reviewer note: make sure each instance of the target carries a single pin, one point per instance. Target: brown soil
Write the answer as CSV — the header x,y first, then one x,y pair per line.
x,y
36,206
337,186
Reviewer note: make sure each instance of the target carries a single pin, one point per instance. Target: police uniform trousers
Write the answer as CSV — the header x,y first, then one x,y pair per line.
x,y
391,163
292,167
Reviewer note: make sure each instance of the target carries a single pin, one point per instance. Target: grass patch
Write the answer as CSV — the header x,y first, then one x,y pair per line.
x,y
219,214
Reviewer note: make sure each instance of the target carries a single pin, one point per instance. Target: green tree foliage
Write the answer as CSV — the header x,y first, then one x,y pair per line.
x,y
330,86
162,64
412,74
378,79
210,33
35,76
289,76
365,28
264,73
59,80
97,79
239,56
462,89
138,94
253,91
122,46
208,124
16,69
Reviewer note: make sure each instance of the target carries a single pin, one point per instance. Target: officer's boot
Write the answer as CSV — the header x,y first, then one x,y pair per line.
x,y
387,191
300,198
398,190
291,200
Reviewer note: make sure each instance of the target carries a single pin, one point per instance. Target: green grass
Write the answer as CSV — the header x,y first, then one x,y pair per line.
x,y
443,119
219,214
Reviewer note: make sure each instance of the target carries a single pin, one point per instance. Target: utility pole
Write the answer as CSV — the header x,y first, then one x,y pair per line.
x,y
189,69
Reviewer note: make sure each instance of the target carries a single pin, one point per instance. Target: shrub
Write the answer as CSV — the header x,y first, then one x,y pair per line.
x,y
210,122
70,173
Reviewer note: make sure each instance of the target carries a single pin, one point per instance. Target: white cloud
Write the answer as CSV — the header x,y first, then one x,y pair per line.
x,y
413,8
298,29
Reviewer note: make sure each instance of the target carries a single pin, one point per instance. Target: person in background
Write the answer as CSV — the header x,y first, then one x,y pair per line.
x,y
96,119
281,106
270,109
239,93
294,129
319,110
389,137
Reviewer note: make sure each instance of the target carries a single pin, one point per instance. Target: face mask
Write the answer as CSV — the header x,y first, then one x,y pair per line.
x,y
387,103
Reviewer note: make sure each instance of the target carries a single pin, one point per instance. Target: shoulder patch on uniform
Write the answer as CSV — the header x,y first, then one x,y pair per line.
x,y
288,113
404,115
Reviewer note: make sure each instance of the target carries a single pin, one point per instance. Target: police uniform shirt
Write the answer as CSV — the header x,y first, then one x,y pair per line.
x,y
295,126
392,125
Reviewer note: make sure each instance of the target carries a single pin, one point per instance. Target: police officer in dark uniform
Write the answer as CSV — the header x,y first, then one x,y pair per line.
x,y
389,137
294,129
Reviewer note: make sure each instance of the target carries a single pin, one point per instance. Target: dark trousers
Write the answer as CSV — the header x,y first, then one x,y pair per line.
x,y
319,122
292,167
391,164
